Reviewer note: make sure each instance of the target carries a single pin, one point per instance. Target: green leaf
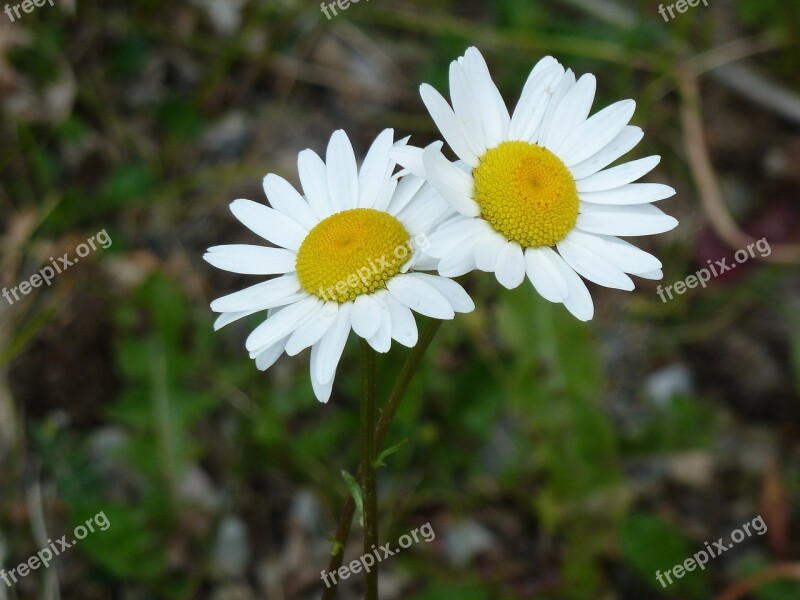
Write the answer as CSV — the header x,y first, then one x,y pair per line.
x,y
379,462
650,544
181,119
130,182
355,491
336,547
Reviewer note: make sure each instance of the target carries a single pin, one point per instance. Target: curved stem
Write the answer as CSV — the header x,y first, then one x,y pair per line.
x,y
368,483
384,421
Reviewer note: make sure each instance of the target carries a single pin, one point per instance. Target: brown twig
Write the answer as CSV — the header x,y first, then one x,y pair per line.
x,y
702,170
745,586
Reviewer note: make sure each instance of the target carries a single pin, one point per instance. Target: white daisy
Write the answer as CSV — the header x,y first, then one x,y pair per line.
x,y
343,258
529,190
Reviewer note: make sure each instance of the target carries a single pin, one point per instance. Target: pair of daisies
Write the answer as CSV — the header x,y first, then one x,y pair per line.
x,y
530,194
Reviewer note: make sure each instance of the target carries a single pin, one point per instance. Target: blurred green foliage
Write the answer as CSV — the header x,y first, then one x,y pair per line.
x,y
519,370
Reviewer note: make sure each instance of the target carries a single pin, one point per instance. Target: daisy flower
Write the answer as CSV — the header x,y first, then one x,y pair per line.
x,y
531,189
347,257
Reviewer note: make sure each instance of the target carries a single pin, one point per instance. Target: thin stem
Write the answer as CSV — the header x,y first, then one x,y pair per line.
x,y
368,486
384,421
404,379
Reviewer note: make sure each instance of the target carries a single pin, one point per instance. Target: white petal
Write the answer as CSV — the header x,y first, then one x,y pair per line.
x,y
376,170
455,234
424,212
407,188
452,291
326,353
282,324
466,110
340,161
284,198
314,179
534,100
548,120
579,300
592,266
571,112
321,390
596,132
365,316
404,327
381,340
621,254
510,269
251,260
495,118
543,63
618,176
457,263
410,158
655,275
260,296
487,249
453,184
312,330
540,265
227,318
269,223
270,356
448,124
420,297
622,144
423,262
632,193
640,219
386,191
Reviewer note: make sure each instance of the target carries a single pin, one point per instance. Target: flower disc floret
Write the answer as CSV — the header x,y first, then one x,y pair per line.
x,y
351,253
526,193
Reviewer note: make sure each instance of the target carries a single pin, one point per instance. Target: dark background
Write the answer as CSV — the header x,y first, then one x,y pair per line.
x,y
554,459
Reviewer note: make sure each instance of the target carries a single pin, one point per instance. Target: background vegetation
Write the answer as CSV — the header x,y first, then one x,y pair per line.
x,y
554,459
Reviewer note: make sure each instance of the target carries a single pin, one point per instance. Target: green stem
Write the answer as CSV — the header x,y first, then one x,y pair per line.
x,y
384,421
369,476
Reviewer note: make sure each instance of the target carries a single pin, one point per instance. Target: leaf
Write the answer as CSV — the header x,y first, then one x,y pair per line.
x,y
130,182
336,547
355,491
379,462
650,544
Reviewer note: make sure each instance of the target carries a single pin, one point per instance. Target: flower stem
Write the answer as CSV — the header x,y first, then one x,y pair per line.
x,y
384,421
368,485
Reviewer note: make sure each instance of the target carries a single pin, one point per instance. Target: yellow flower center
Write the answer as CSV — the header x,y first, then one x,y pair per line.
x,y
352,252
526,193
